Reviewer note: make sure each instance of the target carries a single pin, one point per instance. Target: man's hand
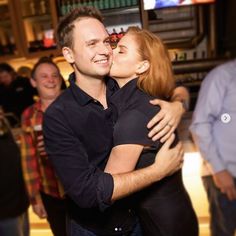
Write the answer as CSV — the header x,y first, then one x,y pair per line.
x,y
165,122
39,210
169,160
225,182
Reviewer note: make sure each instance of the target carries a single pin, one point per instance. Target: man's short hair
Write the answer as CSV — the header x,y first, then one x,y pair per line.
x,y
64,32
6,67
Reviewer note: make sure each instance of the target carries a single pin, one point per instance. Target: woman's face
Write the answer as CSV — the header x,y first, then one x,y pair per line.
x,y
126,59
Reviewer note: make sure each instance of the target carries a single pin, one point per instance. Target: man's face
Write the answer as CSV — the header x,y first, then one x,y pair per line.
x,y
5,78
47,81
91,52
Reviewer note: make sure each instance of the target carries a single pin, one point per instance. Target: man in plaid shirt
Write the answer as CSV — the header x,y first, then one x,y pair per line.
x,y
42,184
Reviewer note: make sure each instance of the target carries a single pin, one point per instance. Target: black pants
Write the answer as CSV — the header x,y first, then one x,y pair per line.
x,y
56,211
165,209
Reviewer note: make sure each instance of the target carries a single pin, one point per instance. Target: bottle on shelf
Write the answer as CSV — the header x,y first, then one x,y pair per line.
x,y
106,4
114,38
134,2
32,8
43,8
120,34
128,3
96,4
117,4
112,3
101,4
63,8
123,3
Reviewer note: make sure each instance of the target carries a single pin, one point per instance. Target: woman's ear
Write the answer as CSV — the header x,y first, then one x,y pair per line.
x,y
68,55
143,67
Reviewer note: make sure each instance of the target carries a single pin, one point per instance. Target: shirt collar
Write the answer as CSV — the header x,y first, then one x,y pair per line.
x,y
82,97
38,105
124,94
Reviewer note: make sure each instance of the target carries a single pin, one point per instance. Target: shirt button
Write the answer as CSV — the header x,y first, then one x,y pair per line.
x,y
120,229
116,229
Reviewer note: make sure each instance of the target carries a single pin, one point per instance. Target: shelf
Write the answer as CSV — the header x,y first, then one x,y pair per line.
x,y
120,11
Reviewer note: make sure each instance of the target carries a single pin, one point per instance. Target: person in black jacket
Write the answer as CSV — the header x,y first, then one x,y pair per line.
x,y
16,92
13,197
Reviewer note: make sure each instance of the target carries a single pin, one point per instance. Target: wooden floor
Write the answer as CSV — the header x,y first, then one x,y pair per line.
x,y
204,231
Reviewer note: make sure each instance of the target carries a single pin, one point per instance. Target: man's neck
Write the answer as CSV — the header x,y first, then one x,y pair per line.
x,y
94,87
46,103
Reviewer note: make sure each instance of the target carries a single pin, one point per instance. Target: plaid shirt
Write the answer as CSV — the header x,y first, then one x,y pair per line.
x,y
37,169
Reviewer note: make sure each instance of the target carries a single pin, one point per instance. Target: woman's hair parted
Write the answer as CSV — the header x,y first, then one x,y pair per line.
x,y
64,32
158,80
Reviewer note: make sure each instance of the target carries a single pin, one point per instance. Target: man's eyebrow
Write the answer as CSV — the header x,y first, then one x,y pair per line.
x,y
91,41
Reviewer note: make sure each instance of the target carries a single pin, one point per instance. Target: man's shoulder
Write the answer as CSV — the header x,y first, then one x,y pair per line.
x,y
28,112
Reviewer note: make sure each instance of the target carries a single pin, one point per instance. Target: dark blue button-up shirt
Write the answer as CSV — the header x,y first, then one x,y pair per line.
x,y
78,137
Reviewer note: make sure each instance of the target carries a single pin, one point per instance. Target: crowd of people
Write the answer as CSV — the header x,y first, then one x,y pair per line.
x,y
103,157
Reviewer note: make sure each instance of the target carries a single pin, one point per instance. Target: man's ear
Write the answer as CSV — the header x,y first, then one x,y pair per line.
x,y
143,67
68,55
33,82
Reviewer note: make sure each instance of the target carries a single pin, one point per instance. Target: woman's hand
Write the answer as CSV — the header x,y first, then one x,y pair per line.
x,y
169,160
166,121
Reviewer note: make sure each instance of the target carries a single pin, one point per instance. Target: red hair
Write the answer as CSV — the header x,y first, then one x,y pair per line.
x,y
158,80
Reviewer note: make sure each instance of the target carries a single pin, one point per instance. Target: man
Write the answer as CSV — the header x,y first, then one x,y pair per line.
x,y
41,182
14,201
78,129
213,129
16,92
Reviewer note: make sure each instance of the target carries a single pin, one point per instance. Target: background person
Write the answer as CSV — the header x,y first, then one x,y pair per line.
x,y
16,92
41,182
213,129
14,200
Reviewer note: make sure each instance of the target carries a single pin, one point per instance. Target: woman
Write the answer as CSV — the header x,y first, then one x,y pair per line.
x,y
164,208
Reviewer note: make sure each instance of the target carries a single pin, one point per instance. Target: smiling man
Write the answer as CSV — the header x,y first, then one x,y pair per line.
x,y
41,182
78,129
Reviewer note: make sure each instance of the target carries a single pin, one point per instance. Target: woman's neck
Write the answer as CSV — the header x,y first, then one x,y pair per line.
x,y
123,81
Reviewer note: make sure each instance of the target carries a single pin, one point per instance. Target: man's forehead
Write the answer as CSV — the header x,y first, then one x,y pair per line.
x,y
90,28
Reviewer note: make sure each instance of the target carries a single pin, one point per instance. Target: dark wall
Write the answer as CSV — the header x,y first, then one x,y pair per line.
x,y
226,27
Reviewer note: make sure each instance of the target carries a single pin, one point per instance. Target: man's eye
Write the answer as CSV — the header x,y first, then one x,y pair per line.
x,y
91,44
107,42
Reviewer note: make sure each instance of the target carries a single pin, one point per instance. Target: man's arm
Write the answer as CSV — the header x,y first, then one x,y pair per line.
x,y
126,182
166,121
206,113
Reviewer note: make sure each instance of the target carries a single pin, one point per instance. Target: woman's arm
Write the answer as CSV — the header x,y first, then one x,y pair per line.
x,y
123,158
